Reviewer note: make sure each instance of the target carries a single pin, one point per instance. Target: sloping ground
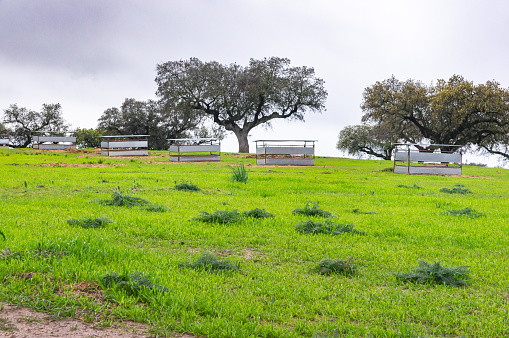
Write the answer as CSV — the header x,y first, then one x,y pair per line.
x,y
68,269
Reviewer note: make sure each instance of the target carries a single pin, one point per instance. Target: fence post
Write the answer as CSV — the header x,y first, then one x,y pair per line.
x,y
408,147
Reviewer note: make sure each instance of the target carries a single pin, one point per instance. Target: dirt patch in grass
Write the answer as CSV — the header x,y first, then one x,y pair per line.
x,y
141,158
89,290
223,253
22,322
249,254
194,250
73,150
244,253
78,165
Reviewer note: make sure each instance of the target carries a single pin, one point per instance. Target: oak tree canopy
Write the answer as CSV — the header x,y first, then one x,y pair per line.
x,y
455,112
21,122
241,98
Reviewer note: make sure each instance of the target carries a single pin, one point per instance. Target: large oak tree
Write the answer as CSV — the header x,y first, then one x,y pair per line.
x,y
241,98
455,112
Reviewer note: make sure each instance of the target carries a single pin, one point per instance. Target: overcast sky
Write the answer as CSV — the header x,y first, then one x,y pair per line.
x,y
89,55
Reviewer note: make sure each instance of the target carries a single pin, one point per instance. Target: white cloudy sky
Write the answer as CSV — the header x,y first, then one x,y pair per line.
x,y
89,55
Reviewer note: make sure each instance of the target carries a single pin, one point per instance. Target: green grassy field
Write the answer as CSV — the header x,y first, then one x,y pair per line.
x,y
56,267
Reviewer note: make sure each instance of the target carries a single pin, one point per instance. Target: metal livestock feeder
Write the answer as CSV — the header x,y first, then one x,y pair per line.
x,y
53,140
285,152
195,149
5,141
124,145
408,159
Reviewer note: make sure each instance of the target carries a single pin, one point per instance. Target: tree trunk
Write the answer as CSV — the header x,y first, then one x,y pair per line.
x,y
242,138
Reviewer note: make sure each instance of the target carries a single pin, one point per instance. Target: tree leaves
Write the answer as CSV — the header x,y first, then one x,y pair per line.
x,y
241,98
23,122
456,111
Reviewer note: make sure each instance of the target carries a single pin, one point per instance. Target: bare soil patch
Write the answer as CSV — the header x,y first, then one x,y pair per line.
x,y
250,254
17,322
21,322
82,165
72,150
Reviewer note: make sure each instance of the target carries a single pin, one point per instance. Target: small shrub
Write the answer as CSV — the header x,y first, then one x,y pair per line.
x,y
220,216
89,222
156,208
133,284
329,266
312,209
469,212
435,273
311,227
415,186
456,189
358,211
186,186
257,213
239,174
2,234
118,199
209,262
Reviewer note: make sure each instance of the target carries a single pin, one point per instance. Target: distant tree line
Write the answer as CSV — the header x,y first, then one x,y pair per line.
x,y
454,112
206,99
195,99
132,118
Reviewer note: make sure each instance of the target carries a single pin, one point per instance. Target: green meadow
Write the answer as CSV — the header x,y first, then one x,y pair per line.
x,y
139,263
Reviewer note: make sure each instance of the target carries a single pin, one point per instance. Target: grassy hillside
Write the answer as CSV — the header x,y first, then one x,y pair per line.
x,y
138,265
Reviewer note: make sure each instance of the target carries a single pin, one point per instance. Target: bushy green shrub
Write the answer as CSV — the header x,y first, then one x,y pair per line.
x,y
456,189
327,227
312,209
133,284
415,186
435,273
469,212
89,222
239,173
156,208
220,216
209,262
186,186
328,266
118,199
257,213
